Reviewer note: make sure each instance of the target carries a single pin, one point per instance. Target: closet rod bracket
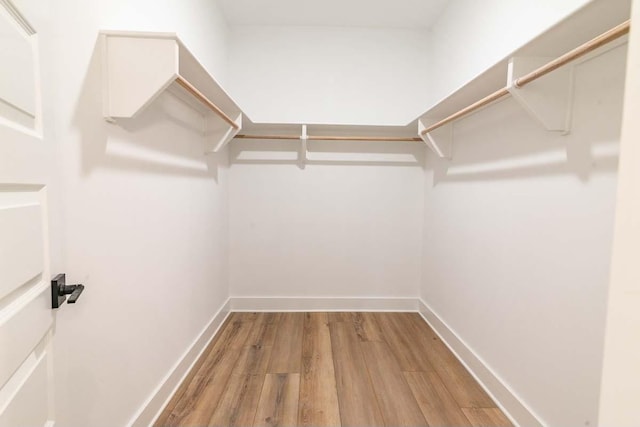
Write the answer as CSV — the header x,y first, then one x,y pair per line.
x,y
548,99
302,155
219,142
439,140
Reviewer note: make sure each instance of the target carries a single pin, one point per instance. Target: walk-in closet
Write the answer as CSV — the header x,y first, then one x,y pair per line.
x,y
336,213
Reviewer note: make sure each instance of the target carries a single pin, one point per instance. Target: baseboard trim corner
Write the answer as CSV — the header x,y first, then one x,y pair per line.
x,y
506,399
162,394
322,304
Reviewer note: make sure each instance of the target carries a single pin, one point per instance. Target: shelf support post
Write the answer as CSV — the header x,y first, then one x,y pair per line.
x,y
302,155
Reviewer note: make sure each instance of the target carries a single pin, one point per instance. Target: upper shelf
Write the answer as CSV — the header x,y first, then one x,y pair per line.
x,y
139,66
582,26
594,29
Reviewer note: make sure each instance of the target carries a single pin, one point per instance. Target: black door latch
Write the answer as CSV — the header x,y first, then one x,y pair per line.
x,y
60,290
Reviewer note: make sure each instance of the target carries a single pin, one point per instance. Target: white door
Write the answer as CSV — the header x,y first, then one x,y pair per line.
x,y
26,156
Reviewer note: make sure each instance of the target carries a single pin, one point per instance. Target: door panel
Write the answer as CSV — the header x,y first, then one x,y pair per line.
x,y
20,333
28,404
26,158
17,86
21,248
18,51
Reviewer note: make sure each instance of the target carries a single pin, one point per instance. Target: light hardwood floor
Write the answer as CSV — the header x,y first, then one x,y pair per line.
x,y
329,369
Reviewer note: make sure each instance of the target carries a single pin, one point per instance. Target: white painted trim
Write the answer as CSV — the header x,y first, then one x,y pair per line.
x,y
159,398
18,18
322,304
512,405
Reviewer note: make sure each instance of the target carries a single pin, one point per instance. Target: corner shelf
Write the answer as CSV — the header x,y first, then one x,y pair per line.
x,y
139,66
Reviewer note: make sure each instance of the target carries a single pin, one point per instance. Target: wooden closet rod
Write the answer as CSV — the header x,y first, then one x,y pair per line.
x,y
200,97
604,38
576,53
473,107
334,138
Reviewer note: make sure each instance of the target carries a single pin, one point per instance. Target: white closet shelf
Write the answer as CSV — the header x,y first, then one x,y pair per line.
x,y
549,58
597,27
328,132
139,66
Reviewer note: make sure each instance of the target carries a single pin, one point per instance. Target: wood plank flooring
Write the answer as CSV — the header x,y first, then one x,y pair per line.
x,y
329,369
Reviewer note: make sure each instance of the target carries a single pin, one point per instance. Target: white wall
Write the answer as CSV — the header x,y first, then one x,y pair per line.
x,y
336,229
621,373
339,228
144,216
518,231
329,74
348,225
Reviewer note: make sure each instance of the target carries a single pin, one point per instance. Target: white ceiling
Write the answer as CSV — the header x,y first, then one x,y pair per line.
x,y
358,13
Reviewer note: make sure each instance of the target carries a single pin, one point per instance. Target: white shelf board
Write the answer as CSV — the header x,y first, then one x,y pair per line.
x,y
139,66
582,26
137,74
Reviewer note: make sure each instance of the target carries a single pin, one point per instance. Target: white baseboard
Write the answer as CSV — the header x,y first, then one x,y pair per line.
x,y
506,399
322,304
159,398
